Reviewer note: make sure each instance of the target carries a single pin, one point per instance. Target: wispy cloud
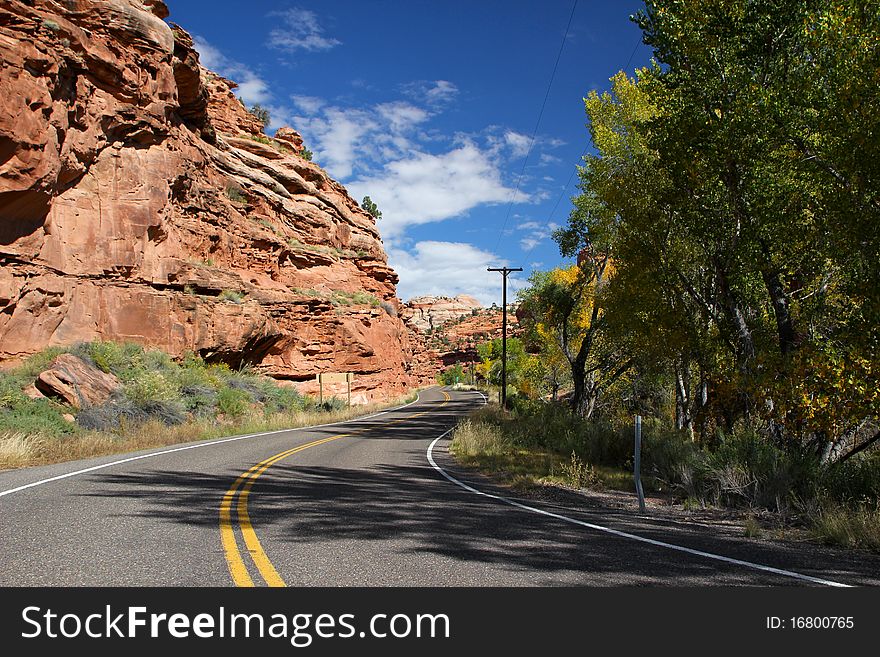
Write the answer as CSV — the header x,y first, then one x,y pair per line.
x,y
337,136
252,88
518,143
423,187
432,92
535,233
449,268
300,30
308,104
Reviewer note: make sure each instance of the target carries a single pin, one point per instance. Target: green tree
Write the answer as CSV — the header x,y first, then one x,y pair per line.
x,y
261,114
368,205
735,190
566,304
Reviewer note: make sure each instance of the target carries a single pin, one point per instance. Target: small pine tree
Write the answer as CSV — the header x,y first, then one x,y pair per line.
x,y
262,115
368,205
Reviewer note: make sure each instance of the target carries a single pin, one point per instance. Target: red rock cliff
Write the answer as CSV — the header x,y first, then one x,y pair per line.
x,y
140,201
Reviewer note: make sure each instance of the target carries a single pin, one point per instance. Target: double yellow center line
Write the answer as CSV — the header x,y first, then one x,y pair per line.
x,y
241,489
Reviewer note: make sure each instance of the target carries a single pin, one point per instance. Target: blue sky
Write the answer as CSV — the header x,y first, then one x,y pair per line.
x,y
429,108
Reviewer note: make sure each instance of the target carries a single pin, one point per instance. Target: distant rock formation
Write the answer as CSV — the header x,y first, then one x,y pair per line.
x,y
140,200
455,326
427,313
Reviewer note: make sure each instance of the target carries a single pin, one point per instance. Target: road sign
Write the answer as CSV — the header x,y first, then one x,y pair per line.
x,y
333,377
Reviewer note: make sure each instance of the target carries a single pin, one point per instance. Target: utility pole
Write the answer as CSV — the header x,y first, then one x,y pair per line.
x,y
504,272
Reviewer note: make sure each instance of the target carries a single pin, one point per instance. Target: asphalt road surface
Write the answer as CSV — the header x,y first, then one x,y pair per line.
x,y
366,502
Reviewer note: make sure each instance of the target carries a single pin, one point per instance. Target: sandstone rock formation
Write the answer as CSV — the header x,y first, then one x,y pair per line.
x,y
75,382
454,327
427,313
139,200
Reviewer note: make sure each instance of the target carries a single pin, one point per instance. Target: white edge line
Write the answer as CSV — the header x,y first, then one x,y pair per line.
x,y
615,532
197,446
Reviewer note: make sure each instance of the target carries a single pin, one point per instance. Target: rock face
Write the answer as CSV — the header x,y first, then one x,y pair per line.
x,y
75,382
140,201
427,313
454,327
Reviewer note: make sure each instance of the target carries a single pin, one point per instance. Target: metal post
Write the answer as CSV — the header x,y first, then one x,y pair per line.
x,y
637,464
320,390
504,271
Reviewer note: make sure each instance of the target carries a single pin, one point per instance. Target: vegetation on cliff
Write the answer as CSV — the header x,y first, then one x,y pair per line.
x,y
158,401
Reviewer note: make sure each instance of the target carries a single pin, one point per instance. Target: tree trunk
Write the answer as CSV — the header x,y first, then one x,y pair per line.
x,y
683,419
784,323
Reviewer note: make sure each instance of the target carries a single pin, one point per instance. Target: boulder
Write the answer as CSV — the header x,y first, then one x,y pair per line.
x,y
74,381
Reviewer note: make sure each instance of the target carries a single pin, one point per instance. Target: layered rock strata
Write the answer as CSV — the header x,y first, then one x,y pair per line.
x,y
140,200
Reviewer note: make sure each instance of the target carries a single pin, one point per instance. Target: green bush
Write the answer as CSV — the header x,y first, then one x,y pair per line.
x,y
278,399
150,386
261,114
233,402
236,194
231,295
35,417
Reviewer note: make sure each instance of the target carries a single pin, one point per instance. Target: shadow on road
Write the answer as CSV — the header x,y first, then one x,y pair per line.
x,y
412,510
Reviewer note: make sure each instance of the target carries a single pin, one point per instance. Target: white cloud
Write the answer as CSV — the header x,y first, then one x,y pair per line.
x,y
251,87
535,233
434,93
519,144
443,91
336,136
546,159
401,116
450,268
423,188
300,31
308,104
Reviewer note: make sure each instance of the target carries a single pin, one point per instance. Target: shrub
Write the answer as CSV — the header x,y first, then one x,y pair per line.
x,y
279,399
233,402
306,154
248,385
35,417
388,308
857,526
150,386
578,473
231,295
329,404
119,358
236,194
121,415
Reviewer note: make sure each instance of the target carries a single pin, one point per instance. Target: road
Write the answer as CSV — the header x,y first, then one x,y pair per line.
x,y
357,503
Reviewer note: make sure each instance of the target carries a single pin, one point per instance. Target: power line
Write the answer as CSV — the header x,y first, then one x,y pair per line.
x,y
555,206
633,53
537,124
564,189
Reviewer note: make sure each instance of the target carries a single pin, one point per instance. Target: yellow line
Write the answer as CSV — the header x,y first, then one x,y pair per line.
x,y
242,486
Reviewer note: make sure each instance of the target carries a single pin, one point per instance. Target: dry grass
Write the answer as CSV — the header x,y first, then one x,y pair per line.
x,y
479,443
857,527
18,450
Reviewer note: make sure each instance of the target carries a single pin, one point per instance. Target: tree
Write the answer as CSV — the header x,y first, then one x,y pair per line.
x,y
735,190
566,304
368,205
261,114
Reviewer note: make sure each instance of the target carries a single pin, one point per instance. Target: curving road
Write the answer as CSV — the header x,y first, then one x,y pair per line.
x,y
375,501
